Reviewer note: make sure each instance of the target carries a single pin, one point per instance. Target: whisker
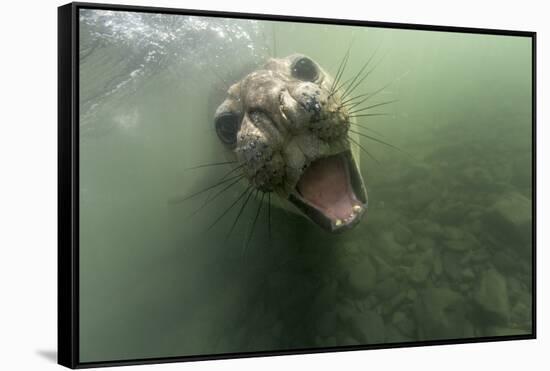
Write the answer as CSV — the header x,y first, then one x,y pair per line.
x,y
361,70
372,106
338,71
230,172
344,103
250,189
229,208
362,148
364,77
368,96
185,198
353,105
371,95
358,83
209,200
341,68
368,115
281,201
376,140
255,220
211,164
366,128
336,89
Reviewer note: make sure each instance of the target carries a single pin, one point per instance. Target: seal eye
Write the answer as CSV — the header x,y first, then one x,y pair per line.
x,y
304,69
227,125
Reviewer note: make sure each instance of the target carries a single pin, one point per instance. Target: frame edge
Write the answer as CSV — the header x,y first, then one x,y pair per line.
x,y
67,302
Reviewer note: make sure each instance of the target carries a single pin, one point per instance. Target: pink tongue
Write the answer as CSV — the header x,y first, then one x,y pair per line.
x,y
325,185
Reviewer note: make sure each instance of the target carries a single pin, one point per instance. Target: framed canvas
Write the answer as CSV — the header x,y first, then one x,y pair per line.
x,y
236,185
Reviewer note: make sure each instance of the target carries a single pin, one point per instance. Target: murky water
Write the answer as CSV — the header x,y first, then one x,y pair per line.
x,y
444,252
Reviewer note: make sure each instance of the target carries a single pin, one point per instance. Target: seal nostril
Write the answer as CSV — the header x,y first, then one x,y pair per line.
x,y
312,105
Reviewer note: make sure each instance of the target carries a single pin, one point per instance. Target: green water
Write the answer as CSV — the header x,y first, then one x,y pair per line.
x,y
443,253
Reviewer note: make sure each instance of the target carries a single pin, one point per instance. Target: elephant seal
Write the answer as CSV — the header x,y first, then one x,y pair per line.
x,y
286,126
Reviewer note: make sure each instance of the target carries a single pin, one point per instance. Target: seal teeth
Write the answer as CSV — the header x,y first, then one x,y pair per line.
x,y
338,222
357,208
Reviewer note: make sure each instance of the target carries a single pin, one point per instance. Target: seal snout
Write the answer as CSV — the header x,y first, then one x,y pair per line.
x,y
311,98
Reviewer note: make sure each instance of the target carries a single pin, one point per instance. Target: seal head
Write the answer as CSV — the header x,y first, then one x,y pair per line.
x,y
287,128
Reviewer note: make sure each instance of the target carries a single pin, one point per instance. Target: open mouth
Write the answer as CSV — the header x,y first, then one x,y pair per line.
x,y
331,192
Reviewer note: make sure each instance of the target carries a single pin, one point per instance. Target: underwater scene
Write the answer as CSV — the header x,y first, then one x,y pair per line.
x,y
251,185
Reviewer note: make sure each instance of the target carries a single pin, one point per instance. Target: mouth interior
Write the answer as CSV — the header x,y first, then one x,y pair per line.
x,y
326,185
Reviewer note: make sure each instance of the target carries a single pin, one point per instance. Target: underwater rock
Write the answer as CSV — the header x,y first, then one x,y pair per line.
x,y
451,264
425,243
413,173
345,310
277,280
351,248
514,287
368,327
504,331
464,288
434,229
402,234
388,288
383,269
477,179
412,294
422,267
327,323
441,313
395,302
382,217
453,233
457,245
510,218
369,302
452,213
505,260
437,264
411,247
461,241
521,311
362,277
480,255
492,295
468,273
420,195
325,295
277,329
426,231
393,335
404,324
420,271
348,340
390,247
331,341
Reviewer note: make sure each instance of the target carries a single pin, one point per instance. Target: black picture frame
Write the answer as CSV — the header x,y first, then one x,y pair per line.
x,y
68,180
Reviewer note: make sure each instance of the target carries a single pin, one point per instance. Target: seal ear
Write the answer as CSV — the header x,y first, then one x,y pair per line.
x,y
227,126
305,69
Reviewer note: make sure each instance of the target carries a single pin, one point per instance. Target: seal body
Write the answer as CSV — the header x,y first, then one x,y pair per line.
x,y
288,128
